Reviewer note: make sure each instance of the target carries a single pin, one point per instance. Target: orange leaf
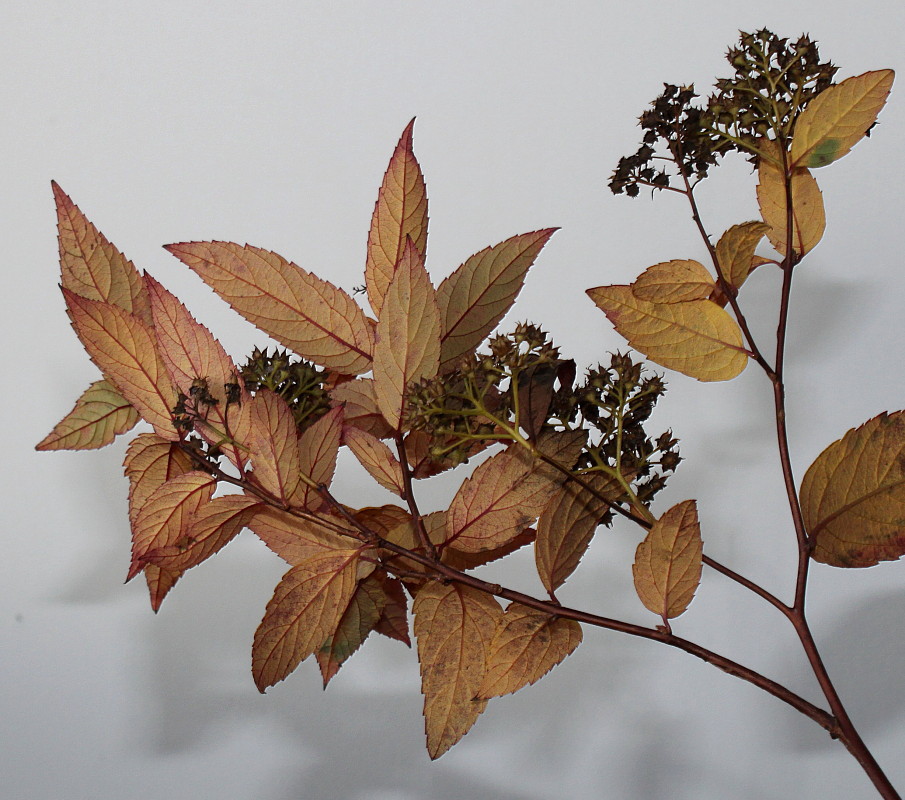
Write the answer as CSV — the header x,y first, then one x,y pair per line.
x,y
273,445
91,266
566,526
667,568
150,462
361,407
475,297
167,515
318,449
213,526
838,118
408,335
853,495
376,458
466,561
674,282
526,646
358,620
393,622
735,251
292,538
305,610
808,215
697,338
454,626
310,316
400,214
100,414
123,348
159,580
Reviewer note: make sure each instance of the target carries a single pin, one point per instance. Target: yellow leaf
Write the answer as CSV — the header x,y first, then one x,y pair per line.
x,y
91,266
358,620
408,336
475,297
675,281
318,449
100,414
310,316
667,568
123,348
566,526
376,458
400,214
293,539
853,495
213,526
454,625
838,118
808,215
167,515
697,338
526,646
735,251
357,397
305,610
273,445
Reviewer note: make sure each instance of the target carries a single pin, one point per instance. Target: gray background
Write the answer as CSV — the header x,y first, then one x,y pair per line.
x,y
272,123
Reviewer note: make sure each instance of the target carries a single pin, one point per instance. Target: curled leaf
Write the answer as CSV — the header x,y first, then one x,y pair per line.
x,y
735,251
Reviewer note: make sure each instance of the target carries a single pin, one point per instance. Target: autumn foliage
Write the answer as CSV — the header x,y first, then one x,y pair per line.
x,y
418,381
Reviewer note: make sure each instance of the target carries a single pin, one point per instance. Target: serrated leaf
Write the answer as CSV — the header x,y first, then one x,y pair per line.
x,y
305,610
400,214
808,215
213,526
318,449
853,495
526,646
358,620
454,626
476,296
273,445
123,348
360,404
566,526
503,496
91,266
310,316
735,251
99,415
838,118
159,581
463,561
667,568
393,622
697,338
676,281
149,463
376,458
292,538
167,515
407,346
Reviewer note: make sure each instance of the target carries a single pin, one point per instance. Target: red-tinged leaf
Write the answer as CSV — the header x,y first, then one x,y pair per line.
x,y
526,646
310,316
359,619
667,568
376,458
454,626
99,415
853,495
393,622
382,519
360,403
318,449
418,451
407,346
475,297
466,561
92,267
535,393
214,525
123,347
406,534
273,445
400,214
566,526
292,538
149,463
167,515
159,580
503,496
305,610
